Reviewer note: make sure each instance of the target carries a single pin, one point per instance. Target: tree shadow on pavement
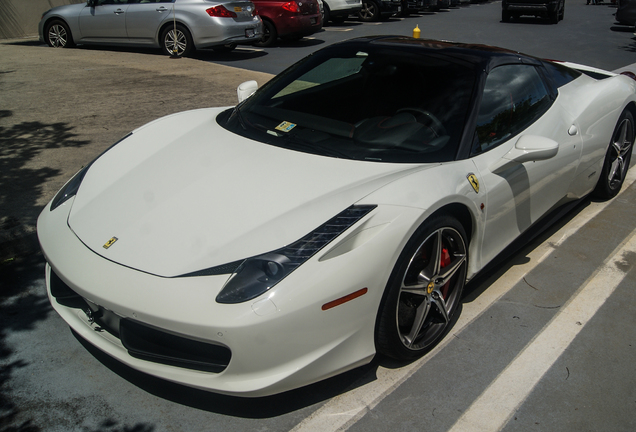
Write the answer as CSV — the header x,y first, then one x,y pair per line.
x,y
21,305
23,171
20,310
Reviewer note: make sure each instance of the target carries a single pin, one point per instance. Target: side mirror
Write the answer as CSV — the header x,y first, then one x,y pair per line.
x,y
246,90
528,148
91,3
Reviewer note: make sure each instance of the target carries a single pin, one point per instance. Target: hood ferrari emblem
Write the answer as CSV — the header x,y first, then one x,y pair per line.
x,y
472,179
110,242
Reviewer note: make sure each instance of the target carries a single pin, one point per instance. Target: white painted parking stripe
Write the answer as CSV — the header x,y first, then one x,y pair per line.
x,y
497,404
346,409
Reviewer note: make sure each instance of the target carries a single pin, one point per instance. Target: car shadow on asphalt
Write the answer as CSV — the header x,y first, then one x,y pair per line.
x,y
254,408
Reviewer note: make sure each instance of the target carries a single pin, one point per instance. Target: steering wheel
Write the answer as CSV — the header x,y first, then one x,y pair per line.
x,y
427,119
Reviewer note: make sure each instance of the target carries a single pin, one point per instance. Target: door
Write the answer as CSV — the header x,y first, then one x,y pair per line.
x,y
516,106
104,22
144,18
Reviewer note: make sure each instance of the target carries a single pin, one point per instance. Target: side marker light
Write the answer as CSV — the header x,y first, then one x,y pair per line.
x,y
344,299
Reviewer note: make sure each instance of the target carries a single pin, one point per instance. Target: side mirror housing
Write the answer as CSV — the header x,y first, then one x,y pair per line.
x,y
246,90
528,148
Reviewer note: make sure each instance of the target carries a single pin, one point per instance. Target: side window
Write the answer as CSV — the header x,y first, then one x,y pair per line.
x,y
514,97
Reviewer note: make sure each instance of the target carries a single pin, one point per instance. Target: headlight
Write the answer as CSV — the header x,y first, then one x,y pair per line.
x,y
72,186
256,275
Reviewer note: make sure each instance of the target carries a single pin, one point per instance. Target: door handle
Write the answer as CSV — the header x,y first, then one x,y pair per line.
x,y
119,12
161,9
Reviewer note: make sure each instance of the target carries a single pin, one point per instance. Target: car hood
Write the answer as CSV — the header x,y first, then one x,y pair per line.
x,y
182,194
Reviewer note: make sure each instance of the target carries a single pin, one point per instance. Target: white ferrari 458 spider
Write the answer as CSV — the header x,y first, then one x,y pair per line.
x,y
333,214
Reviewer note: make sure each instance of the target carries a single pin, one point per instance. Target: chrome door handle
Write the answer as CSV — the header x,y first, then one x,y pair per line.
x,y
161,9
119,11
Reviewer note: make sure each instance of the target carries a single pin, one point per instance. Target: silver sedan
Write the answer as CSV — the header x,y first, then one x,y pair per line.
x,y
176,26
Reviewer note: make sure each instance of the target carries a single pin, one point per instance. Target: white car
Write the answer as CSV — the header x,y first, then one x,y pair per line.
x,y
334,214
337,11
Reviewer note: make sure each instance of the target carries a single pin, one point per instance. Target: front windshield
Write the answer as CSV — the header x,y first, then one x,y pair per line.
x,y
371,103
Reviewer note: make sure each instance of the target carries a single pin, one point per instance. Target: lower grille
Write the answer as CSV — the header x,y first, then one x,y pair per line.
x,y
143,341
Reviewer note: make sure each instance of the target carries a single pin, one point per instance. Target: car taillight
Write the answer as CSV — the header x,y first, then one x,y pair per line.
x,y
291,6
220,11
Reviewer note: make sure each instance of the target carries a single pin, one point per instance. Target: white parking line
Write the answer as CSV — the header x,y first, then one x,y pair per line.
x,y
346,409
498,403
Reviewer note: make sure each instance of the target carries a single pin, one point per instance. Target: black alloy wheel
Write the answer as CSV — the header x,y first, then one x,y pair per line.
x,y
617,158
424,291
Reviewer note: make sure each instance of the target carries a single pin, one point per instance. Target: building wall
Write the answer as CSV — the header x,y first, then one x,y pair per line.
x,y
20,18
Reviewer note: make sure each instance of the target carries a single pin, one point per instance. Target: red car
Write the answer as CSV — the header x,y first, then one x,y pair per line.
x,y
287,19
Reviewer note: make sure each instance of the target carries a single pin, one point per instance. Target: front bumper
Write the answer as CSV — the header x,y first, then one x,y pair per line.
x,y
276,342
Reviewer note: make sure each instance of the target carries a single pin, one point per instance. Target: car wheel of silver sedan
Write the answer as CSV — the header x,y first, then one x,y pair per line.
x,y
58,35
176,42
617,158
424,290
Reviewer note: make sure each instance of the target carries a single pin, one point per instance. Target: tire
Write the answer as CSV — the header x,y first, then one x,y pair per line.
x,y
338,19
424,290
553,17
617,158
269,35
326,16
506,16
370,11
562,14
58,35
181,46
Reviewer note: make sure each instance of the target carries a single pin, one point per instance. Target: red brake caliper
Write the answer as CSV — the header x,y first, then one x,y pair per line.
x,y
445,260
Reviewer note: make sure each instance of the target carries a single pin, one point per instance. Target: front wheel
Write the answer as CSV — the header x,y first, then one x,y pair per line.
x,y
176,42
424,290
58,35
617,158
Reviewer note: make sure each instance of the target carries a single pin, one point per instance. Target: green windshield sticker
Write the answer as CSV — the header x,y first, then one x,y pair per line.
x,y
285,126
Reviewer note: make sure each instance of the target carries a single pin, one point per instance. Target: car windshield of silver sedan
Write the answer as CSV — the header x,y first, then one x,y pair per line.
x,y
365,103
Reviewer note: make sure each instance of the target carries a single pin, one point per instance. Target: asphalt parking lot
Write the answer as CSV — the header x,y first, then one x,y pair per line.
x,y
544,342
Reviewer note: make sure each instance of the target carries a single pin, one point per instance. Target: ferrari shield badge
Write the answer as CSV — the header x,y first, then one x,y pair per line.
x,y
472,179
110,242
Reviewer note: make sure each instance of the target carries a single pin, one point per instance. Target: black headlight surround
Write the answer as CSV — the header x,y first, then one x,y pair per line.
x,y
72,186
257,275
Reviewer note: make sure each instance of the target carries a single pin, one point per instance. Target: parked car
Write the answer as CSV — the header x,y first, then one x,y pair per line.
x,y
415,6
288,19
335,213
376,10
553,10
337,11
176,26
626,12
